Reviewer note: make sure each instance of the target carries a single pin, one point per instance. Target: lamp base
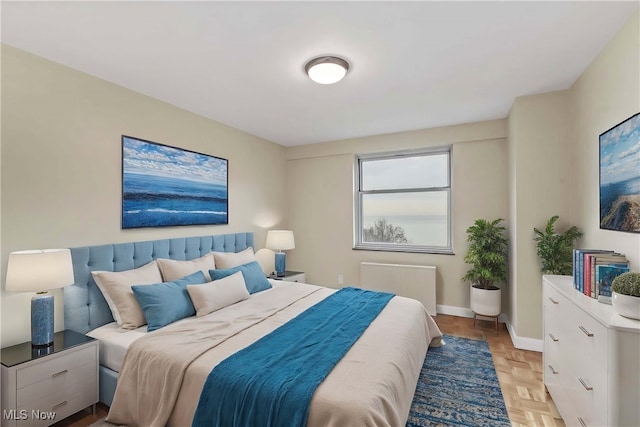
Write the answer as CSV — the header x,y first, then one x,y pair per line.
x,y
281,262
42,320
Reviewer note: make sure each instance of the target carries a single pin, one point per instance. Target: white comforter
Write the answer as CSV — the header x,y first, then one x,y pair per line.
x,y
373,385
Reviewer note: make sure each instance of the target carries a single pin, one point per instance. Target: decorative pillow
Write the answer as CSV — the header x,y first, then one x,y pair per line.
x,y
164,303
116,288
254,278
231,259
173,269
218,294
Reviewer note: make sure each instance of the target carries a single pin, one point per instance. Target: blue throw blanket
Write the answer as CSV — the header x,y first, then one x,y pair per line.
x,y
270,383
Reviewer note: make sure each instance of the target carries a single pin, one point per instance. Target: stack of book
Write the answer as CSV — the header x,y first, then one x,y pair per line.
x,y
595,269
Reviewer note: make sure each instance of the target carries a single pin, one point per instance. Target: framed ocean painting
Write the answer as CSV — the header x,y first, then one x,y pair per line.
x,y
169,186
620,176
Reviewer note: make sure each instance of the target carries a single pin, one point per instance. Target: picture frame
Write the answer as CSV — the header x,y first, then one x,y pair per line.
x,y
165,186
620,176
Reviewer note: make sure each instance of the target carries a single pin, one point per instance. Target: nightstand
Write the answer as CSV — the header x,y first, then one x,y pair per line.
x,y
43,386
290,276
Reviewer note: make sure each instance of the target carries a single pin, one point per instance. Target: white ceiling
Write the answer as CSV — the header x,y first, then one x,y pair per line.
x,y
414,65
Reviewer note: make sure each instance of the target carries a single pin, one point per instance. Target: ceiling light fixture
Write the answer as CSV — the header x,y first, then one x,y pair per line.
x,y
327,70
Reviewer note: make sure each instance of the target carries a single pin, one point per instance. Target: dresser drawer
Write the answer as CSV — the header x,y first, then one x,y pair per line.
x,y
55,367
554,302
588,402
588,343
61,386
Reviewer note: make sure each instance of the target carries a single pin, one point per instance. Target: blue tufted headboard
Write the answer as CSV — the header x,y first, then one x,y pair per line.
x,y
84,306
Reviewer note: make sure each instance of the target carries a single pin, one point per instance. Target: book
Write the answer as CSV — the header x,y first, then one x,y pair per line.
x,y
605,273
579,265
599,259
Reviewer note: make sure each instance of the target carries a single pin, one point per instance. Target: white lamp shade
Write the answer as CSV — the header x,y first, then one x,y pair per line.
x,y
266,259
280,240
39,270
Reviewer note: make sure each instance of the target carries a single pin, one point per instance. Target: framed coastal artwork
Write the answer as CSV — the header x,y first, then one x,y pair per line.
x,y
620,176
169,186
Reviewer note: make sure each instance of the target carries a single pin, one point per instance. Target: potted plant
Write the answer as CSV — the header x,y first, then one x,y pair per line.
x,y
625,295
555,250
487,254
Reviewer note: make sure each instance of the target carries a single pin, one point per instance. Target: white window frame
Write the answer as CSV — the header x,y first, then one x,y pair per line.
x,y
399,247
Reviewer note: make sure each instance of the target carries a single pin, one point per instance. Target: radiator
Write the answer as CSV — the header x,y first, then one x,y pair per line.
x,y
413,281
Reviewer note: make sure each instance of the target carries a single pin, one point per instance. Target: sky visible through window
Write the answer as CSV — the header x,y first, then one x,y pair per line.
x,y
422,215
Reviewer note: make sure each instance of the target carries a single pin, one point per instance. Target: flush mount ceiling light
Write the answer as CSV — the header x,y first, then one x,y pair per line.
x,y
326,70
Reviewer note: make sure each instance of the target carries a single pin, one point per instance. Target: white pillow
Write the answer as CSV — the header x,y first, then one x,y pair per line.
x,y
116,288
218,294
231,259
173,269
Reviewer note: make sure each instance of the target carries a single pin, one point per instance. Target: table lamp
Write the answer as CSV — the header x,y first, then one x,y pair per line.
x,y
40,270
280,240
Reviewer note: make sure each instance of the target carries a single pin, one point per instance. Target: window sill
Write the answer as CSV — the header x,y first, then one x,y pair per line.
x,y
404,248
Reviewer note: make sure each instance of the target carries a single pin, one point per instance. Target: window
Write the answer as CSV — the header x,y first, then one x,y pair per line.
x,y
404,201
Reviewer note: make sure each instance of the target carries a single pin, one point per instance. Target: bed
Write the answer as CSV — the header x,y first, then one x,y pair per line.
x,y
372,384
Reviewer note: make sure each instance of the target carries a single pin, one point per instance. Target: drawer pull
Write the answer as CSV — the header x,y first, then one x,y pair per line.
x,y
59,405
554,339
553,371
59,373
553,301
587,333
585,385
582,423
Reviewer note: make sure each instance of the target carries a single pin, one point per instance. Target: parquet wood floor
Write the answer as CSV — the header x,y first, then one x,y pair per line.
x,y
519,373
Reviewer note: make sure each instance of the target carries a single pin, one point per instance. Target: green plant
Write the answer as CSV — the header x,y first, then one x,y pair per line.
x,y
487,253
555,250
627,284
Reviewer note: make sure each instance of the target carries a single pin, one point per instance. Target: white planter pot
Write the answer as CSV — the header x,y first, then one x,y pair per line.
x,y
486,302
626,305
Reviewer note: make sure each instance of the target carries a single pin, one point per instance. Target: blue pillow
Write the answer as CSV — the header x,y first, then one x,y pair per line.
x,y
254,277
164,303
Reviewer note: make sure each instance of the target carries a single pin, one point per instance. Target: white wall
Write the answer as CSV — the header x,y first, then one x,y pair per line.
x,y
61,167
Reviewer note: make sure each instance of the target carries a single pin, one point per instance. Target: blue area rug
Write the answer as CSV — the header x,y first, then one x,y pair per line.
x,y
458,386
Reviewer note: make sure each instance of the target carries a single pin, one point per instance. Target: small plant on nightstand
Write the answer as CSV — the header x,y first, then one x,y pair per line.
x,y
625,296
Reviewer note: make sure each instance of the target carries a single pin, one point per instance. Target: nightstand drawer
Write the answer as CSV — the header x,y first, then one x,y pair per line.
x,y
63,385
295,278
60,406
55,367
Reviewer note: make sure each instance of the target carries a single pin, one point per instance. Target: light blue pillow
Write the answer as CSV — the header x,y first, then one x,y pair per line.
x,y
164,303
254,277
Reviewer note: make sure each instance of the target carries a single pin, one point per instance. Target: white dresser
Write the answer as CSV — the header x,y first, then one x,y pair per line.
x,y
591,358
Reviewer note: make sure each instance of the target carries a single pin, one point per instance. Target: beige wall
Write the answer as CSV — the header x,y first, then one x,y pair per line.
x,y
540,174
61,167
320,197
607,93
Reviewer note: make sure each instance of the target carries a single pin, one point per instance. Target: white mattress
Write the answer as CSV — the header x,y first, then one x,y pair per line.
x,y
114,341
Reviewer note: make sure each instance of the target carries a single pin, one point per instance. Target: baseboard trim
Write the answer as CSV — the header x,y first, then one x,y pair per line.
x,y
454,311
524,343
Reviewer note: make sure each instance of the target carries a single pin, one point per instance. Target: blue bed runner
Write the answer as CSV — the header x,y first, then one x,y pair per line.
x,y
270,383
